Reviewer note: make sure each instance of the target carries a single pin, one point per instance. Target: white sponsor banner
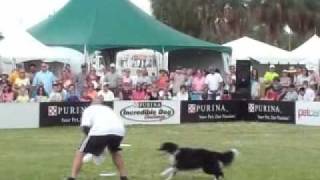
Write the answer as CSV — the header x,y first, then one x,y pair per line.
x,y
19,115
148,112
308,113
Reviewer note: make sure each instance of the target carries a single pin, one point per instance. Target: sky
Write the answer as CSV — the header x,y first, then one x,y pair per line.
x,y
26,13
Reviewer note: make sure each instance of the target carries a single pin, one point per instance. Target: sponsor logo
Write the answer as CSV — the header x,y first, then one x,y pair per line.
x,y
206,108
308,113
147,112
263,108
65,110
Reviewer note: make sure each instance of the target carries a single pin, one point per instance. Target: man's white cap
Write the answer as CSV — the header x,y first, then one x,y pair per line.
x,y
112,65
271,66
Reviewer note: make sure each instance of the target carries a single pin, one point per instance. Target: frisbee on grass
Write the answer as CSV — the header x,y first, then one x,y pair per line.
x,y
125,145
107,174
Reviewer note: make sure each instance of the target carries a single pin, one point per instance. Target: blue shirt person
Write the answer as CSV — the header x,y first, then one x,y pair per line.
x,y
45,78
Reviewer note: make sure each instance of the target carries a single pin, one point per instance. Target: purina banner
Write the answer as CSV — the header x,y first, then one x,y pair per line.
x,y
271,111
148,112
210,111
63,113
308,113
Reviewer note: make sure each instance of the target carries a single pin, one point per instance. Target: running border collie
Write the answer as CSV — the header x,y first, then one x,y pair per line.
x,y
210,162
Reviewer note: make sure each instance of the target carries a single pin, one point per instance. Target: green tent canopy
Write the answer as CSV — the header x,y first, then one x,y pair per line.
x,y
112,24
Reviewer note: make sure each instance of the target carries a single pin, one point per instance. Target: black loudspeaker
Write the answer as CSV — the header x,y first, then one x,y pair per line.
x,y
243,79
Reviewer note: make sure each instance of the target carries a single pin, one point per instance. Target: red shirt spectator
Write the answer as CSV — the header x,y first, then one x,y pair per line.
x,y
163,80
139,93
271,95
7,94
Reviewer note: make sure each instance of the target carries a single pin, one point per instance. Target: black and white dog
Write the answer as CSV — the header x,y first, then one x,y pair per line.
x,y
190,159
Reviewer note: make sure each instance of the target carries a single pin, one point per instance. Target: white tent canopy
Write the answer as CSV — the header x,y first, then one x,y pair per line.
x,y
246,48
309,52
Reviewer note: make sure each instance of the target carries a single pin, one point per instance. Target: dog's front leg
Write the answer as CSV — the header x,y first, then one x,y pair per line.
x,y
167,171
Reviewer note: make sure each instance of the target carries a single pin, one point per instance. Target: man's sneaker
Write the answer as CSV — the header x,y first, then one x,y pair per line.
x,y
71,178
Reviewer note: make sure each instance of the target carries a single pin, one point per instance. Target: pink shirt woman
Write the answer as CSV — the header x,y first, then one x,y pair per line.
x,y
198,80
139,94
7,94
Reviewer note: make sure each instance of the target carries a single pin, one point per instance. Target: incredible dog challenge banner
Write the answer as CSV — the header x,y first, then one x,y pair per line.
x,y
211,111
148,112
271,111
63,113
308,113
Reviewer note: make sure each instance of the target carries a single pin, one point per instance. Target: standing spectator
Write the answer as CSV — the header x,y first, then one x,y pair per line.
x,y
310,94
163,80
179,79
7,94
92,78
91,91
314,78
14,74
231,80
302,75
285,80
145,77
137,79
71,94
255,85
270,75
214,83
22,80
67,76
125,92
126,79
291,94
45,78
182,95
153,78
56,95
81,79
138,93
113,79
106,93
41,95
23,95
32,70
197,85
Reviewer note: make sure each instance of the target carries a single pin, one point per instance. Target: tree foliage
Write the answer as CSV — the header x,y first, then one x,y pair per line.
x,y
225,20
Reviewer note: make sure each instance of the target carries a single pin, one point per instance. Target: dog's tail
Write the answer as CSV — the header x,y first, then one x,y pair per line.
x,y
228,157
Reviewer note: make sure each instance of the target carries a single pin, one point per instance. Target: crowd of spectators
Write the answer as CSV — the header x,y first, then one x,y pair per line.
x,y
39,84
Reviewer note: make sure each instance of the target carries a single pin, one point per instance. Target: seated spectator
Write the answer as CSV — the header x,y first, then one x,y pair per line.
x,y
85,97
23,95
226,95
153,94
7,94
106,93
138,93
125,92
182,95
165,94
301,93
41,95
56,95
291,94
71,94
271,95
91,92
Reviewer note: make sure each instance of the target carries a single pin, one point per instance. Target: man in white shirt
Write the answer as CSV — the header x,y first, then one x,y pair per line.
x,y
106,93
104,129
214,83
309,95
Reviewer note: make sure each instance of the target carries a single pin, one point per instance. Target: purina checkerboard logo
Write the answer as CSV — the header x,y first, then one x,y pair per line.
x,y
52,111
251,107
192,108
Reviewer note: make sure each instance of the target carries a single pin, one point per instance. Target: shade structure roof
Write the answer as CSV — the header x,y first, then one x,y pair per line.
x,y
247,48
309,52
108,24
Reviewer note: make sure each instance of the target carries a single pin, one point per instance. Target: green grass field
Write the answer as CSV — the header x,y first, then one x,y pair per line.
x,y
268,151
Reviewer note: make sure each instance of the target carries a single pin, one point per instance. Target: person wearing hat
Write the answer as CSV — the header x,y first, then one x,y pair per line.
x,y
106,93
270,75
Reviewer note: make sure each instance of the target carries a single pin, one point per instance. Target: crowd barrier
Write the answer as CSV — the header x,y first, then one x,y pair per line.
x,y
33,115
